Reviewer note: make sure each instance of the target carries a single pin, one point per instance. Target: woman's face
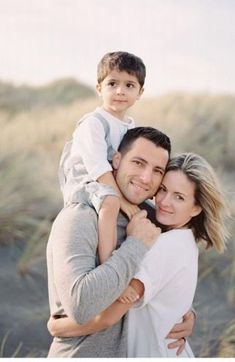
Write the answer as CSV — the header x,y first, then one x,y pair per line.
x,y
175,202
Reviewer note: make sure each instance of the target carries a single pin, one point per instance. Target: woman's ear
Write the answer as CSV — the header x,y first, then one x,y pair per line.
x,y
116,160
196,210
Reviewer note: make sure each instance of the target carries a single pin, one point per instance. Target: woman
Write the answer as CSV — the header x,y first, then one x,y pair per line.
x,y
190,207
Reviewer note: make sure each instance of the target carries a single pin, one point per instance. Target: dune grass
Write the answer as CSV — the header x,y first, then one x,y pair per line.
x,y
30,147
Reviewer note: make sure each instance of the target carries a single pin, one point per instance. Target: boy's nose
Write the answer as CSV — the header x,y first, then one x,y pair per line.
x,y
120,90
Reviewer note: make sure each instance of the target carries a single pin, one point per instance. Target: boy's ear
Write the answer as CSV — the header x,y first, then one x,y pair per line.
x,y
98,89
116,160
140,93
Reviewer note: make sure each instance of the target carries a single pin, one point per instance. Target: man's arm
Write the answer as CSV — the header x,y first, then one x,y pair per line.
x,y
84,289
66,327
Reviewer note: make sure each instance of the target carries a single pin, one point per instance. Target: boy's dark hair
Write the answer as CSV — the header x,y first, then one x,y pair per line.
x,y
149,133
121,61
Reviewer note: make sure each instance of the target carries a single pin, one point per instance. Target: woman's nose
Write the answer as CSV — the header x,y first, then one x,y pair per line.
x,y
165,200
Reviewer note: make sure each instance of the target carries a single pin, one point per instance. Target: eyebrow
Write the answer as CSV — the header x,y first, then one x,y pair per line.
x,y
144,161
180,193
127,81
175,192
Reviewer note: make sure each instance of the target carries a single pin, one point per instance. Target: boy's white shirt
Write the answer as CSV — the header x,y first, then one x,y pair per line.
x,y
90,144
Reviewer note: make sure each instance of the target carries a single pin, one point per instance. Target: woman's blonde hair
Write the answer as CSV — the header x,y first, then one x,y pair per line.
x,y
209,224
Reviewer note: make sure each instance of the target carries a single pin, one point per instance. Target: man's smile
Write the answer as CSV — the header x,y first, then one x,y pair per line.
x,y
139,186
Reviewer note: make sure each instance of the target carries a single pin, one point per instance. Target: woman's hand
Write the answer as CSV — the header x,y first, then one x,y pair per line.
x,y
143,229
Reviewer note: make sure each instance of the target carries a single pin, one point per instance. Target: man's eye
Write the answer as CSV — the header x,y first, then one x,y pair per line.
x,y
138,163
159,171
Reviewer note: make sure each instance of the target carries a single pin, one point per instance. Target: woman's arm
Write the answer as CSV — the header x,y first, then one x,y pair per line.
x,y
67,327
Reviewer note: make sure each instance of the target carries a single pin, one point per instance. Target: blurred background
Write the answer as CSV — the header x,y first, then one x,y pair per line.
x,y
49,54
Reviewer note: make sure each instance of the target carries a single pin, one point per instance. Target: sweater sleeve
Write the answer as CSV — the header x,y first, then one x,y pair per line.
x,y
89,142
83,289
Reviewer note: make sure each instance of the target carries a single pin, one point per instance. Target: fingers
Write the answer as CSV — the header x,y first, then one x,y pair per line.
x,y
179,344
177,335
180,349
183,329
129,295
132,211
140,215
129,299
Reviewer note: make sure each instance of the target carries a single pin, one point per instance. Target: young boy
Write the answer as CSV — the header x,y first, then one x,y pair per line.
x,y
85,170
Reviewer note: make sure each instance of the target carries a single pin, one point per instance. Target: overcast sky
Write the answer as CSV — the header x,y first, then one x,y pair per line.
x,y
185,44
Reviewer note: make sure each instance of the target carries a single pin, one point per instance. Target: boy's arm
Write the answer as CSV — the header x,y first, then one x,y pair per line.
x,y
90,144
83,289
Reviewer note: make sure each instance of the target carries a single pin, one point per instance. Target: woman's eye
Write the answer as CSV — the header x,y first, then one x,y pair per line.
x,y
179,197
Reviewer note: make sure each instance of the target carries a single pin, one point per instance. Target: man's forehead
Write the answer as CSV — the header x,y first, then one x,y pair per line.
x,y
149,152
144,145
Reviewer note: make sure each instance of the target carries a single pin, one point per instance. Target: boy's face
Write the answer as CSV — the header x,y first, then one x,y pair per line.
x,y
119,91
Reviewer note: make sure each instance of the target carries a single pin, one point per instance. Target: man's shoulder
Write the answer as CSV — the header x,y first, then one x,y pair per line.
x,y
84,213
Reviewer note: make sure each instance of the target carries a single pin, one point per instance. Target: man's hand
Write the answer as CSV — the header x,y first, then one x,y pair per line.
x,y
143,229
180,331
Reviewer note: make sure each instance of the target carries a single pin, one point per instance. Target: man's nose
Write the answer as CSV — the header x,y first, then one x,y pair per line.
x,y
146,176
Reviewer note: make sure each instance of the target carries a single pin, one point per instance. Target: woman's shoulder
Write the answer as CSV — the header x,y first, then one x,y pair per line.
x,y
177,240
177,233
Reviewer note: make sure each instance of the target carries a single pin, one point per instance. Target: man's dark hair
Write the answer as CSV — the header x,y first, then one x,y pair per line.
x,y
121,61
149,133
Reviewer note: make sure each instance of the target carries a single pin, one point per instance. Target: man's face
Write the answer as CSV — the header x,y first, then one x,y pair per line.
x,y
139,172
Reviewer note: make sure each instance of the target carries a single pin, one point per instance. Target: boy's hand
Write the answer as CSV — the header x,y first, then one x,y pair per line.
x,y
129,209
129,295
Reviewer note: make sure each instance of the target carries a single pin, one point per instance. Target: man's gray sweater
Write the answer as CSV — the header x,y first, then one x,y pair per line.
x,y
80,288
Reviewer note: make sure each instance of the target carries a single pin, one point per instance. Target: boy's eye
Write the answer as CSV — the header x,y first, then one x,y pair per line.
x,y
130,85
112,84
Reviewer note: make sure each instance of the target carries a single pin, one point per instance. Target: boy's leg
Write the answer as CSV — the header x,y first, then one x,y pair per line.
x,y
107,227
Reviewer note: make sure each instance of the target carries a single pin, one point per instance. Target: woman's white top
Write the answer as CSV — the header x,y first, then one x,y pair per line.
x,y
169,274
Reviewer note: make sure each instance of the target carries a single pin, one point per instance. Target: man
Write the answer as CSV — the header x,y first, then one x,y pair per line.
x,y
78,286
